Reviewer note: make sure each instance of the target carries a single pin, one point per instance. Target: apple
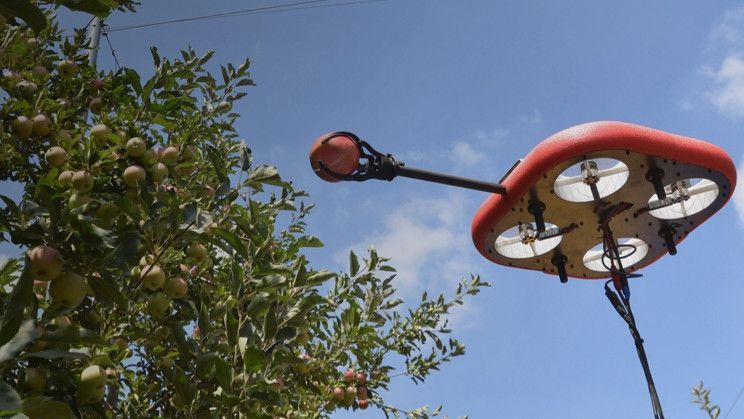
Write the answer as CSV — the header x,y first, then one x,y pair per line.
x,y
152,277
63,137
68,290
176,287
67,69
158,172
350,394
61,321
77,200
45,263
133,175
82,181
170,155
40,72
92,384
34,379
363,404
149,157
99,132
41,125
22,126
338,393
56,157
158,305
27,88
146,260
96,105
164,363
362,393
96,84
361,377
136,147
349,375
197,251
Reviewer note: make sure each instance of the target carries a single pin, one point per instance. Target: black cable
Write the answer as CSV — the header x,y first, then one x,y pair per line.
x,y
307,4
113,51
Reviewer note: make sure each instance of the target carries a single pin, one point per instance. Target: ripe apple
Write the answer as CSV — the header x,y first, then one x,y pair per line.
x,y
362,393
45,263
361,377
82,181
158,305
22,126
41,125
136,147
27,88
176,287
170,155
56,157
349,375
133,175
363,404
96,84
34,379
152,277
338,393
68,290
96,105
158,172
197,251
79,199
67,69
350,394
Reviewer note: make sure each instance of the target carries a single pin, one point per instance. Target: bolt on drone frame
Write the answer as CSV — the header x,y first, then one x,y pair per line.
x,y
596,201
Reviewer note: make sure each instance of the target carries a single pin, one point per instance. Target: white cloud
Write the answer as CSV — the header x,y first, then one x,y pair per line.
x,y
427,240
728,96
464,154
728,28
738,196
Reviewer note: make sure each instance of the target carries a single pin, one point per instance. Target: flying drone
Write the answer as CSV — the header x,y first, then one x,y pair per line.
x,y
596,201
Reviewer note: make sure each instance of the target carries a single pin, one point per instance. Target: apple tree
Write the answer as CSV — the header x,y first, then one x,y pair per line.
x,y
160,271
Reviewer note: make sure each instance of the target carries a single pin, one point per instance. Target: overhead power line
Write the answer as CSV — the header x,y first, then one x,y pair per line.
x,y
285,7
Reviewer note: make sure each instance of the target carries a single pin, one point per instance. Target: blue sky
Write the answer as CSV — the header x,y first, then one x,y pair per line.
x,y
468,87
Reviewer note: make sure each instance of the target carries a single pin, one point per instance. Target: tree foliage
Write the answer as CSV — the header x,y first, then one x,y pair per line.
x,y
165,274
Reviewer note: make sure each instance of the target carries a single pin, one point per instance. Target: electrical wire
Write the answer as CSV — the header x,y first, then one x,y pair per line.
x,y
301,5
113,51
734,403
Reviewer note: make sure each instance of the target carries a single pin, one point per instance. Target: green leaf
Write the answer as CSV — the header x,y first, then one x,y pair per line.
x,y
41,407
94,7
9,399
254,359
20,298
183,385
7,271
205,365
236,245
353,263
223,372
23,9
73,335
27,333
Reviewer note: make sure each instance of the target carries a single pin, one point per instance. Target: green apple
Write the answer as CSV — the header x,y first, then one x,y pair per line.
x,y
82,181
158,305
158,172
79,199
99,132
56,157
96,105
67,69
197,251
27,88
92,384
170,155
133,175
40,72
152,277
176,287
136,147
68,290
45,263
34,379
149,157
22,126
41,125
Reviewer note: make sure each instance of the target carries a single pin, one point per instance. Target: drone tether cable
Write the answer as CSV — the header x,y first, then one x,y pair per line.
x,y
620,300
